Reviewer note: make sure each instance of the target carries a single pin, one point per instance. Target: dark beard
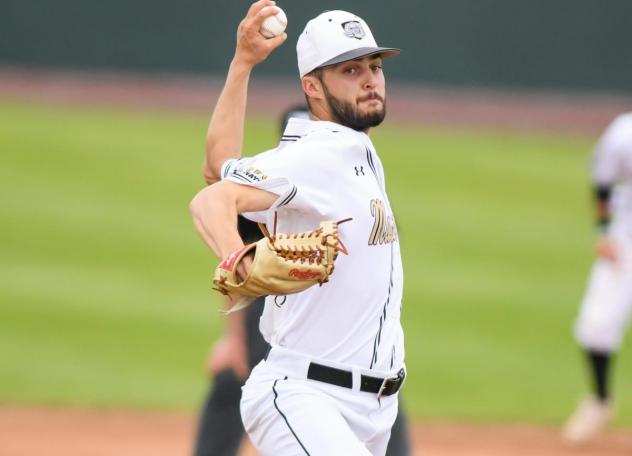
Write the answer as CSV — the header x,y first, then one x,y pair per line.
x,y
348,115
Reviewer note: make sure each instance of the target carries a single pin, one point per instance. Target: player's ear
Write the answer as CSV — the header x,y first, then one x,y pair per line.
x,y
313,87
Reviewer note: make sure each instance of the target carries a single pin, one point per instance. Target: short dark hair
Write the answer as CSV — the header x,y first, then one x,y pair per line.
x,y
317,73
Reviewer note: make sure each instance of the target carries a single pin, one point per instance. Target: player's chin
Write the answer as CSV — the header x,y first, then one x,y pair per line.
x,y
374,110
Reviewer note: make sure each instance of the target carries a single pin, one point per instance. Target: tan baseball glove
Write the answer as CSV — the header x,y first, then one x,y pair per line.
x,y
283,264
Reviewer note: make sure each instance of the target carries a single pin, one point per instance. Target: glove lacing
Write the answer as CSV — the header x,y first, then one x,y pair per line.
x,y
310,246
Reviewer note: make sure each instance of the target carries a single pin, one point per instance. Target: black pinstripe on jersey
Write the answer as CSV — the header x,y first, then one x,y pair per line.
x,y
378,336
369,159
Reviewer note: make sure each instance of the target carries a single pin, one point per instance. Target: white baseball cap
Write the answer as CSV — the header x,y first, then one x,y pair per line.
x,y
333,37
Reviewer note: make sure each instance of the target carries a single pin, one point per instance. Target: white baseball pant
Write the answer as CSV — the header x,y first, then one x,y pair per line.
x,y
287,414
607,305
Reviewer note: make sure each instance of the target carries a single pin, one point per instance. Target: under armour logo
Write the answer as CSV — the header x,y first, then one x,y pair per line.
x,y
359,170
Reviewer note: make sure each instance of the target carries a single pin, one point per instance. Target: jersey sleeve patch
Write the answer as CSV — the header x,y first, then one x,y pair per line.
x,y
248,174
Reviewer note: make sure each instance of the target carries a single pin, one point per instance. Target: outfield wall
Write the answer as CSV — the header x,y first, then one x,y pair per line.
x,y
568,44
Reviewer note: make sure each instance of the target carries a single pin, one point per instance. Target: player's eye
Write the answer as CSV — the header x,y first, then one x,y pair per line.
x,y
350,70
376,68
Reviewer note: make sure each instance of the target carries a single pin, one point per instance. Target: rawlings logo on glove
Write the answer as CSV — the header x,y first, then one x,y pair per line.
x,y
304,274
283,264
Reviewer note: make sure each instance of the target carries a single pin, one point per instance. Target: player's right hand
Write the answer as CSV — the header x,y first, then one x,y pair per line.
x,y
229,353
244,267
607,249
252,47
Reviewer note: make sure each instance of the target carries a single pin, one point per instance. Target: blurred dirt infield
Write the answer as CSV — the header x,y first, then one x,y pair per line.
x,y
55,432
578,113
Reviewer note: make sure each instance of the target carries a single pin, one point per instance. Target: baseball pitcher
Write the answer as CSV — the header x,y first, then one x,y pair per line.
x,y
329,383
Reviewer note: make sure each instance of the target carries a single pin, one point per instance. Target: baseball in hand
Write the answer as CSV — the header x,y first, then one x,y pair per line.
x,y
274,25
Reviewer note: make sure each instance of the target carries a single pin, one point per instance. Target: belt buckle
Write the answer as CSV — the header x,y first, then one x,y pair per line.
x,y
399,378
385,383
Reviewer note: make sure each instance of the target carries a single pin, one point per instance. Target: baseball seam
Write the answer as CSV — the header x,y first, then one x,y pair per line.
x,y
270,32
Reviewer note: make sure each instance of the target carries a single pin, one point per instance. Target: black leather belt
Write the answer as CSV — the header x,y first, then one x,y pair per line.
x,y
340,377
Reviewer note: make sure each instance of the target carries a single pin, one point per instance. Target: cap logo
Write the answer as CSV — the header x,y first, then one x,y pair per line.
x,y
353,29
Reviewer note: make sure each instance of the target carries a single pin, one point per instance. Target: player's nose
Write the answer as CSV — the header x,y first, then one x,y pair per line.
x,y
370,81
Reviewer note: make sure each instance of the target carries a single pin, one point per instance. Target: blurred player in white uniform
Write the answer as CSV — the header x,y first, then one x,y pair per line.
x,y
605,310
329,384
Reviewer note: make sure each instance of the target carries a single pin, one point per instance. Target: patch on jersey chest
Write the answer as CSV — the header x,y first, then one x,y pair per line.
x,y
384,229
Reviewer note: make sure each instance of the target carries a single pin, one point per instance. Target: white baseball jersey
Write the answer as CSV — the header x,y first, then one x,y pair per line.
x,y
325,171
612,166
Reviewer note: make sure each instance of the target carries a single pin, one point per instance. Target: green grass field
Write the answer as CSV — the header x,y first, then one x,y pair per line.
x,y
105,295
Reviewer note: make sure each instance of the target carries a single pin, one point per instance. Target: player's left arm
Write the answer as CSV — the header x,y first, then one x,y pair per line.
x,y
214,210
602,195
605,246
606,169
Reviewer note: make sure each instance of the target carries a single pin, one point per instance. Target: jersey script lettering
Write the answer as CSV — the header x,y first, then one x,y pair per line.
x,y
384,229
